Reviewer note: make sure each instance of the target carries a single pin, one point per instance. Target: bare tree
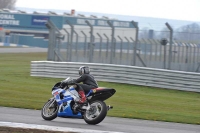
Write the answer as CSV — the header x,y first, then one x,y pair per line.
x,y
189,32
8,4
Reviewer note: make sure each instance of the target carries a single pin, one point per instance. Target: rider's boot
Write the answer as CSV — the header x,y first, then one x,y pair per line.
x,y
83,97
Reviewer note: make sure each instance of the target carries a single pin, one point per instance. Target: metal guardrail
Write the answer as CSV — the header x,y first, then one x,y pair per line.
x,y
152,77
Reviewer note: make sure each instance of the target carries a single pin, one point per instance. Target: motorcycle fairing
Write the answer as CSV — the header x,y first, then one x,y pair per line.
x,y
67,112
60,96
93,94
100,94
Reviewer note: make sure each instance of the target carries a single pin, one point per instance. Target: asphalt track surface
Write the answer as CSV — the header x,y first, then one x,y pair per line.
x,y
109,124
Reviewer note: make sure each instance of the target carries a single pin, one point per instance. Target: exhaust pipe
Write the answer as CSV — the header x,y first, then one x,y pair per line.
x,y
109,107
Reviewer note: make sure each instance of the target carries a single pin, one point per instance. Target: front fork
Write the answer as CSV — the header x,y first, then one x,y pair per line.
x,y
52,101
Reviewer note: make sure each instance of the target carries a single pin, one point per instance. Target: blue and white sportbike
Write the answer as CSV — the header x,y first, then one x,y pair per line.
x,y
64,103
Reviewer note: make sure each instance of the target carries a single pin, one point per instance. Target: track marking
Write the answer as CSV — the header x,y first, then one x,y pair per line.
x,y
51,128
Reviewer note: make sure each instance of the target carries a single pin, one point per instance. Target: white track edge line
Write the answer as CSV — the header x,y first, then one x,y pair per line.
x,y
51,128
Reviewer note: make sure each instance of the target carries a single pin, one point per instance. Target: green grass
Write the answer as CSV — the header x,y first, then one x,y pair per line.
x,y
19,89
9,47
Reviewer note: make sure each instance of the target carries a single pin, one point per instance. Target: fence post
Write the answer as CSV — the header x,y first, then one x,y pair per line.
x,y
52,40
91,41
136,42
100,46
107,45
112,41
127,55
71,40
76,45
85,46
170,47
133,49
120,48
68,43
164,43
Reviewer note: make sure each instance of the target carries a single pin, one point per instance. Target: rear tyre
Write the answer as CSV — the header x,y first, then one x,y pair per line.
x,y
50,110
96,113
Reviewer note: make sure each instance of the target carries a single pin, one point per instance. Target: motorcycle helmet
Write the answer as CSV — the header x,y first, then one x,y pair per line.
x,y
84,70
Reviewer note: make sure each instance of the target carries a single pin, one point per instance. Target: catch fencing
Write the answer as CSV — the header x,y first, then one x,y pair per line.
x,y
126,46
186,81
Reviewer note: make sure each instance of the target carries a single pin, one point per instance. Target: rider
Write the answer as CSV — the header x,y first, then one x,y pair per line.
x,y
88,82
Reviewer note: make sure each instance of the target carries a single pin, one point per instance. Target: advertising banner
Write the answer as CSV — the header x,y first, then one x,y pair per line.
x,y
39,20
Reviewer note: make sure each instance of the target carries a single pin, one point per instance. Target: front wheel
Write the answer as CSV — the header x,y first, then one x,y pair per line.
x,y
50,110
96,113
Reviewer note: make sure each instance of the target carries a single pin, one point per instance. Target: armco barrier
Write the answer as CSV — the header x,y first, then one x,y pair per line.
x,y
168,79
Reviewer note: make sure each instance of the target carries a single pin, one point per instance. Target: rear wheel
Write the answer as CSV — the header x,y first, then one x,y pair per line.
x,y
49,110
96,113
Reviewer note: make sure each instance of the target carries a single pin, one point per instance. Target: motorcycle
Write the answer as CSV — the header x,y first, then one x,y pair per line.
x,y
64,103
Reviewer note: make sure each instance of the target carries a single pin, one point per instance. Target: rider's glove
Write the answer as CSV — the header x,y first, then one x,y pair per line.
x,y
63,83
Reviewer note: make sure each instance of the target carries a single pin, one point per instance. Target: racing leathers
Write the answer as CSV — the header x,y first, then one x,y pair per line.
x,y
88,83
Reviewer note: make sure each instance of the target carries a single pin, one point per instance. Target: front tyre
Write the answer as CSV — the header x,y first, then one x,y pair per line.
x,y
96,113
50,110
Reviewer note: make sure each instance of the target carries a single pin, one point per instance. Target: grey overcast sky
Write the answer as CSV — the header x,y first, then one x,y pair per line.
x,y
171,9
